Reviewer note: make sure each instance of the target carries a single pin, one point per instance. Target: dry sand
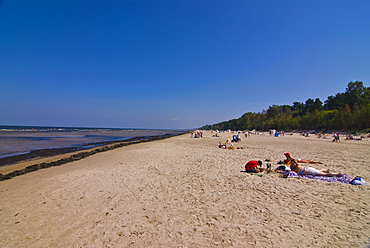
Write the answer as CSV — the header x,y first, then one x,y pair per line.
x,y
186,192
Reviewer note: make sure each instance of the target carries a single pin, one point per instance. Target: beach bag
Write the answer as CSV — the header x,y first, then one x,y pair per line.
x,y
282,168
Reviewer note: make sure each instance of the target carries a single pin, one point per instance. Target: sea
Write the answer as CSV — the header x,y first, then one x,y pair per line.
x,y
19,143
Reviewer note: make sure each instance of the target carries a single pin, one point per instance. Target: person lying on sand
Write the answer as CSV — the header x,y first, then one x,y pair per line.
x,y
252,165
302,170
289,158
224,146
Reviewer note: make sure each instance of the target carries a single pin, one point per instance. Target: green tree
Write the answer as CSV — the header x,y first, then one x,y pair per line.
x,y
344,111
355,93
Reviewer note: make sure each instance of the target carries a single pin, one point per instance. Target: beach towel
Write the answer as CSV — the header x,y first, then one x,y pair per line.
x,y
343,179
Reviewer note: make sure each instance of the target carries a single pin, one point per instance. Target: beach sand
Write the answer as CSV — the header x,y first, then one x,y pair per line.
x,y
186,192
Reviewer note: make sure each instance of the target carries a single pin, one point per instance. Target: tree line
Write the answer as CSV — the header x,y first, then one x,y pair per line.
x,y
348,111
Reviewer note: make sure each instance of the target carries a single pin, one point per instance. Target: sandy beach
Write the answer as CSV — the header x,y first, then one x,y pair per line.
x,y
187,192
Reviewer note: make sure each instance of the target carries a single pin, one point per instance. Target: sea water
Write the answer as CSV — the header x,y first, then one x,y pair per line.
x,y
17,140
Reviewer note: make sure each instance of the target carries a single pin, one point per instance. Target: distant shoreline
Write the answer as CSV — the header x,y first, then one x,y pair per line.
x,y
53,128
20,143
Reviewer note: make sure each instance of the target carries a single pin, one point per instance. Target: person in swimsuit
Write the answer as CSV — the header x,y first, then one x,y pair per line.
x,y
288,158
303,170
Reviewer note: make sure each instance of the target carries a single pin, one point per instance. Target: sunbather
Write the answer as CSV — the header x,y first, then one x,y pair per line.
x,y
302,170
288,158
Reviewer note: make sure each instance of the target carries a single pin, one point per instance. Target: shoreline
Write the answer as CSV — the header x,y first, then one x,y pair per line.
x,y
187,192
45,158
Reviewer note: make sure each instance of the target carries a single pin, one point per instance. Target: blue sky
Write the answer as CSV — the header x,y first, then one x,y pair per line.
x,y
174,64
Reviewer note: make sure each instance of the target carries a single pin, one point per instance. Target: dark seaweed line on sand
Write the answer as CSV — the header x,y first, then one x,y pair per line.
x,y
79,156
57,151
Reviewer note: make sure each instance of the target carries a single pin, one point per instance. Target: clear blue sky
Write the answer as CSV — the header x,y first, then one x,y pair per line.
x,y
174,63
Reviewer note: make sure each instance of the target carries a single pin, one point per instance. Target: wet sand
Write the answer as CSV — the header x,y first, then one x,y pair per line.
x,y
186,192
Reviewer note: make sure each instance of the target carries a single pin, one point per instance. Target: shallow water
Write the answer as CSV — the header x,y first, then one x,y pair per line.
x,y
23,140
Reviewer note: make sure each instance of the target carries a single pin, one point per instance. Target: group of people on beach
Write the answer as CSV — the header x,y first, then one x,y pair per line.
x,y
228,144
291,163
254,166
197,134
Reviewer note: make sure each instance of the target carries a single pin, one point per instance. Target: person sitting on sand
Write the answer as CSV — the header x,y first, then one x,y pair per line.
x,y
302,170
236,138
289,158
252,165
